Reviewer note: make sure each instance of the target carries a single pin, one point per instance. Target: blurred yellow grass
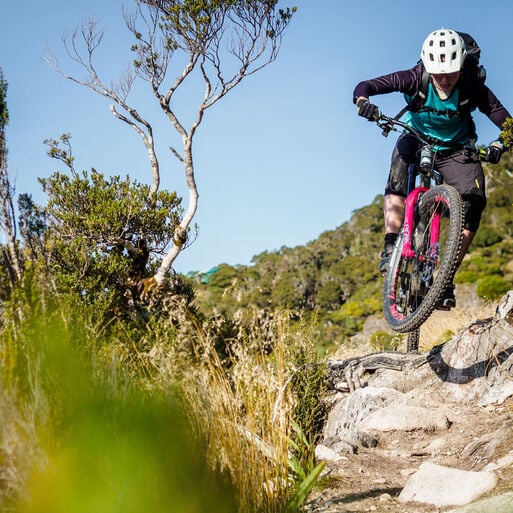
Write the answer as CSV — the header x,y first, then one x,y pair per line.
x,y
96,422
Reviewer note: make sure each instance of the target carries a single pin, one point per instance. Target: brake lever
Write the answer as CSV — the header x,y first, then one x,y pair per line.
x,y
386,128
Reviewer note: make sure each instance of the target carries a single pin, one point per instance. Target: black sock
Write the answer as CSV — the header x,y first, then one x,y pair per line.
x,y
390,239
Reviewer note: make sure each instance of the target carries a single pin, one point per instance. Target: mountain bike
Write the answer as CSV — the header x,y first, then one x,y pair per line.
x,y
425,256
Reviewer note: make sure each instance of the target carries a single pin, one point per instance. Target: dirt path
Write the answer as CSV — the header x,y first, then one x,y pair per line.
x,y
372,479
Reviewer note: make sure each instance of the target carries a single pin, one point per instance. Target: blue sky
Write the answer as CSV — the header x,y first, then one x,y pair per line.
x,y
283,157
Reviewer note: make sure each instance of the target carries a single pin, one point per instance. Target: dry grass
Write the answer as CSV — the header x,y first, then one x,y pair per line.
x,y
245,411
20,449
79,434
442,326
68,415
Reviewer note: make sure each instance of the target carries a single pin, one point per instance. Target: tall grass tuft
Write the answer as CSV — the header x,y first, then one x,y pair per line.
x,y
243,401
183,414
79,434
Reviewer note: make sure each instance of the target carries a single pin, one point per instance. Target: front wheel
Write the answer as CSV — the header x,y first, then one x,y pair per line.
x,y
412,341
415,282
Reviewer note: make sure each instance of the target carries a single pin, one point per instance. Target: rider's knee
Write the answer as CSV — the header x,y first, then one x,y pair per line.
x,y
474,203
397,182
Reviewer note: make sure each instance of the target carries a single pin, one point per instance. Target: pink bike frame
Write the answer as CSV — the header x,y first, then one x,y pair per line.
x,y
409,209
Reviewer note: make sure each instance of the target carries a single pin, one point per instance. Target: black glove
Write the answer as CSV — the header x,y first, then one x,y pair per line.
x,y
493,154
367,110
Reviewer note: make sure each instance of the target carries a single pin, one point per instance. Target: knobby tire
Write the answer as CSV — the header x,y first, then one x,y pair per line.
x,y
412,341
413,285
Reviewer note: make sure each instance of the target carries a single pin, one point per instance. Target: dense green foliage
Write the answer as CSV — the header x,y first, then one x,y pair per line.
x,y
105,231
100,237
335,277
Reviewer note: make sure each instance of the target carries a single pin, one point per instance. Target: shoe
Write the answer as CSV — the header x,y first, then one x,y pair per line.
x,y
384,263
447,300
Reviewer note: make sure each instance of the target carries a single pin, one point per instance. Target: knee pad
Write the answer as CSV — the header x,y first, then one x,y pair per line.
x,y
397,182
474,202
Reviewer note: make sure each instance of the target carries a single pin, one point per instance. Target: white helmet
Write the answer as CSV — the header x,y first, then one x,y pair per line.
x,y
443,51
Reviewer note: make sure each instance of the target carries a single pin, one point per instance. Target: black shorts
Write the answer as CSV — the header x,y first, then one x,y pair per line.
x,y
463,173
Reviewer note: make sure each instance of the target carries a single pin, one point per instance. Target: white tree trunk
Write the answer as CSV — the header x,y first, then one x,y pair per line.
x,y
180,236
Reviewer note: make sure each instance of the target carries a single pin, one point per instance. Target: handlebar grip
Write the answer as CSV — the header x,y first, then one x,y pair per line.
x,y
482,154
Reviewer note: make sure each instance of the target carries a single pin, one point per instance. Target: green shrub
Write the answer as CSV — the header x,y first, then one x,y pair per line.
x,y
352,309
466,277
486,236
329,295
492,287
372,305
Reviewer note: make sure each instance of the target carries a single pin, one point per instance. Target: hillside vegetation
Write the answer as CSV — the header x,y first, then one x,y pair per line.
x,y
334,279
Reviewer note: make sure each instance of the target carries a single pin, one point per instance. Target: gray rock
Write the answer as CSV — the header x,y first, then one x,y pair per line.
x,y
346,417
464,380
498,504
483,448
444,486
323,453
404,417
476,365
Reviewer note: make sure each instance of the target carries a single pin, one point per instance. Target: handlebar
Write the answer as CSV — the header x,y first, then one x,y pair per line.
x,y
388,124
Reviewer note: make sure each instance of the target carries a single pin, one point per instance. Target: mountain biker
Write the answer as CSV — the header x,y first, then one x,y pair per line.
x,y
443,117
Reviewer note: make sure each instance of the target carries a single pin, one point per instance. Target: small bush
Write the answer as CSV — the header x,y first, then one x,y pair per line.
x,y
466,277
485,237
492,287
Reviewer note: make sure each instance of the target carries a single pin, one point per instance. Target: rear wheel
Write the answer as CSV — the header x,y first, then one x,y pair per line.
x,y
414,283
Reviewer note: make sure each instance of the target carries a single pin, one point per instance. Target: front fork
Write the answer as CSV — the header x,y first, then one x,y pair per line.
x,y
409,216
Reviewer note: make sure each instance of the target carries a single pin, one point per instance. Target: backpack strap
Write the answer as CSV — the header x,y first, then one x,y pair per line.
x,y
420,97
465,105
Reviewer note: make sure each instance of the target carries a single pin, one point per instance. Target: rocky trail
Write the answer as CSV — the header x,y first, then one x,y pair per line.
x,y
427,432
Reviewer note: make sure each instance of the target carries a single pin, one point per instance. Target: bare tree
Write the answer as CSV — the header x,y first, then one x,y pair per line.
x,y
221,41
7,215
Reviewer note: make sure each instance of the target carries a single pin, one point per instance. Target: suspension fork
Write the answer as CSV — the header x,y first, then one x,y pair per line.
x,y
434,225
409,213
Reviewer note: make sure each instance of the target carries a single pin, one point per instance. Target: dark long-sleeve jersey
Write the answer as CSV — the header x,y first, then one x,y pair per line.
x,y
409,81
